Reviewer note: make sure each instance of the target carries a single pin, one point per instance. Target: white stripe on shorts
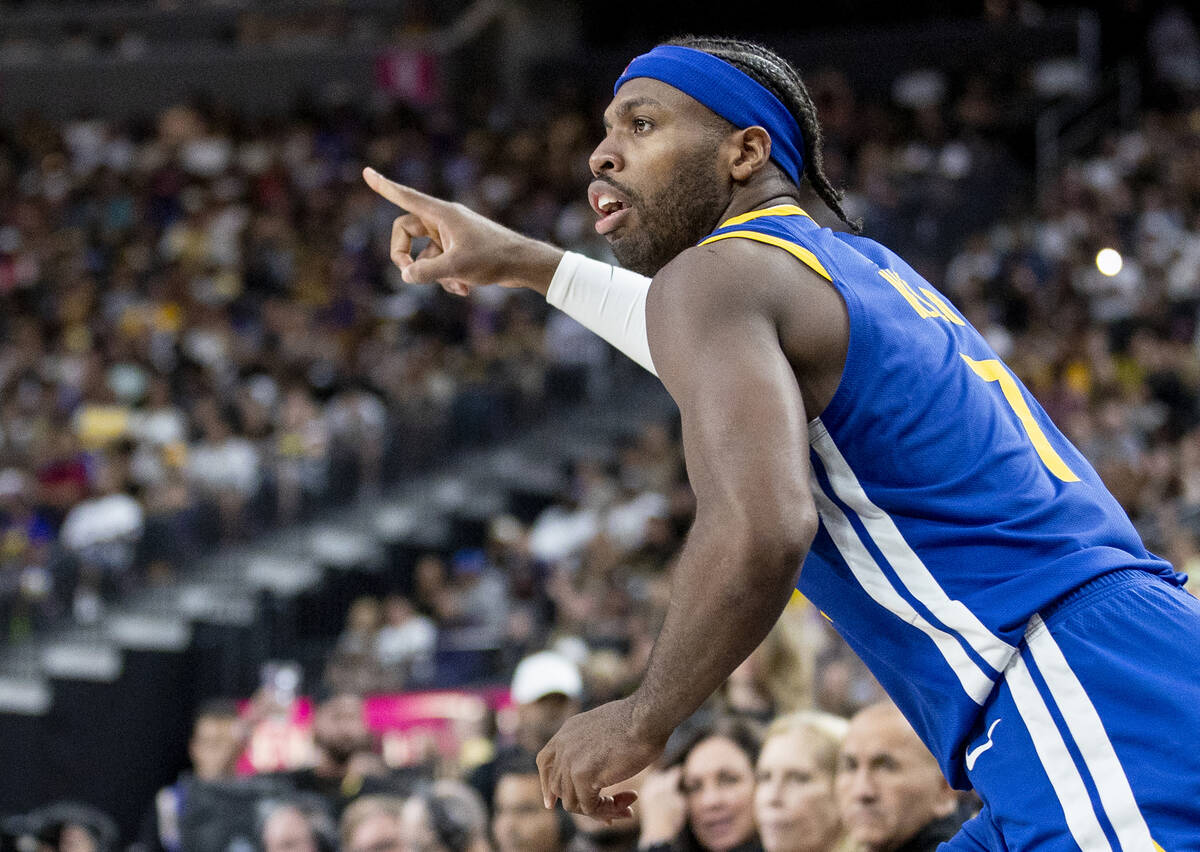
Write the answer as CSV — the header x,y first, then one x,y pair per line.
x,y
1087,730
1056,760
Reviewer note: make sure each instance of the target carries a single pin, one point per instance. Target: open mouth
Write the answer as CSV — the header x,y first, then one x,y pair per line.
x,y
609,204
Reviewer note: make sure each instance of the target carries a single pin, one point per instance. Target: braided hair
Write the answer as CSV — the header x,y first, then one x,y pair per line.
x,y
777,75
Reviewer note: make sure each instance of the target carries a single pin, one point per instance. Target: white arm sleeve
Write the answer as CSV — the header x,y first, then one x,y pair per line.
x,y
605,299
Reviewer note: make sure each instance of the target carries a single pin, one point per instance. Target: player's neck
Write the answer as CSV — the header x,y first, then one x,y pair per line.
x,y
759,195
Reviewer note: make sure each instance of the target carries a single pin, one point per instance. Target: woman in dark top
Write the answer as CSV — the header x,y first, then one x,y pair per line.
x,y
704,800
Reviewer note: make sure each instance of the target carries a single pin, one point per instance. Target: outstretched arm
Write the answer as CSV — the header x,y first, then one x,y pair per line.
x,y
466,250
712,329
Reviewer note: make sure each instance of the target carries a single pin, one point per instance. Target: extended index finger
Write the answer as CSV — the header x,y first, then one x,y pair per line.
x,y
403,196
545,759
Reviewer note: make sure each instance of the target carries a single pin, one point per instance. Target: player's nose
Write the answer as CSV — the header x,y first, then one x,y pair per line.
x,y
604,159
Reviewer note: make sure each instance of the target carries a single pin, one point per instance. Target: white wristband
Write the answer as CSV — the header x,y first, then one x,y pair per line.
x,y
605,299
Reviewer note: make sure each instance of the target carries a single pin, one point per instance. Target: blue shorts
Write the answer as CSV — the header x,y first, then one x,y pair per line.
x,y
1092,740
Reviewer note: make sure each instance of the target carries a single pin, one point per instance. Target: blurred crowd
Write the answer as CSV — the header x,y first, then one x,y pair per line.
x,y
200,340
729,779
200,337
138,30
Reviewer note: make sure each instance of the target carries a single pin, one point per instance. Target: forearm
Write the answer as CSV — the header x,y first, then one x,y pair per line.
x,y
605,299
533,264
726,594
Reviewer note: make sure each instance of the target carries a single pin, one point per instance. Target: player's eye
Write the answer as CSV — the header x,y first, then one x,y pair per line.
x,y
640,125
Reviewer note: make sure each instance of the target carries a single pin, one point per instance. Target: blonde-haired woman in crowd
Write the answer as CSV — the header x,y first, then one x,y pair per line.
x,y
794,804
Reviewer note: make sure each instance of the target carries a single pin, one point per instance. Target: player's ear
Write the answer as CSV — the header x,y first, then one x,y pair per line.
x,y
752,151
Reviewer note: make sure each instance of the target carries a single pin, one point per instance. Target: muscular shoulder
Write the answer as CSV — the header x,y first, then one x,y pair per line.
x,y
718,276
738,280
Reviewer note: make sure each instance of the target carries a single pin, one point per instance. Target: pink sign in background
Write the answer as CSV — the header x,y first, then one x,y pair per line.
x,y
412,727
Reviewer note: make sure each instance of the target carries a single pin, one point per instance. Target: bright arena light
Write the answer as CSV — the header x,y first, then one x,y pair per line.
x,y
1109,261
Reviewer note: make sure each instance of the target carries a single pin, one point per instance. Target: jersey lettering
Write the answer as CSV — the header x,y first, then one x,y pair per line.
x,y
927,304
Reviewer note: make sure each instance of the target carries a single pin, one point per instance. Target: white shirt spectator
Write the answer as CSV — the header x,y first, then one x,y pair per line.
x,y
104,530
1183,275
102,519
230,465
559,532
158,427
407,642
626,522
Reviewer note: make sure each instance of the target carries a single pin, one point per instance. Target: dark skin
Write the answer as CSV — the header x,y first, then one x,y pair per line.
x,y
749,342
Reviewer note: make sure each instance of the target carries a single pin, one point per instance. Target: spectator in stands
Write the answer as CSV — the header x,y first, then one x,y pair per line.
x,y
346,763
61,471
891,794
373,824
299,824
562,530
353,664
530,612
472,616
547,689
224,468
449,816
794,804
300,454
358,419
520,820
72,827
361,632
218,739
405,645
101,532
704,800
26,599
158,427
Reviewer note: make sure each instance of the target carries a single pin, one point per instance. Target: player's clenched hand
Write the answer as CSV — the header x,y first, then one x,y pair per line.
x,y
592,751
465,249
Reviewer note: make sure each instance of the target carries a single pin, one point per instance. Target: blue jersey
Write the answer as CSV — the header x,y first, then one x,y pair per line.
x,y
952,510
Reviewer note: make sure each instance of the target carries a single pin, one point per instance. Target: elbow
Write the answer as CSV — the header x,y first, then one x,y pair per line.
x,y
779,540
793,525
796,536
805,529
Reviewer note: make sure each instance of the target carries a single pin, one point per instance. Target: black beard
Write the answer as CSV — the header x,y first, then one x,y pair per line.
x,y
674,220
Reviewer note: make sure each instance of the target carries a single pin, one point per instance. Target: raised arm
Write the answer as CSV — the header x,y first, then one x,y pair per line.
x,y
712,317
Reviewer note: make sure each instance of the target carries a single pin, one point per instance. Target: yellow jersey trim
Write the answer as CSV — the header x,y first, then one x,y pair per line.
x,y
799,252
777,210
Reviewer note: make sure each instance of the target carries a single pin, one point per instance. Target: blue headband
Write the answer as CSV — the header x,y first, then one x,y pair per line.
x,y
731,94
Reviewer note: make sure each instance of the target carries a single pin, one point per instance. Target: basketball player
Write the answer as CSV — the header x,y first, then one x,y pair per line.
x,y
836,408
